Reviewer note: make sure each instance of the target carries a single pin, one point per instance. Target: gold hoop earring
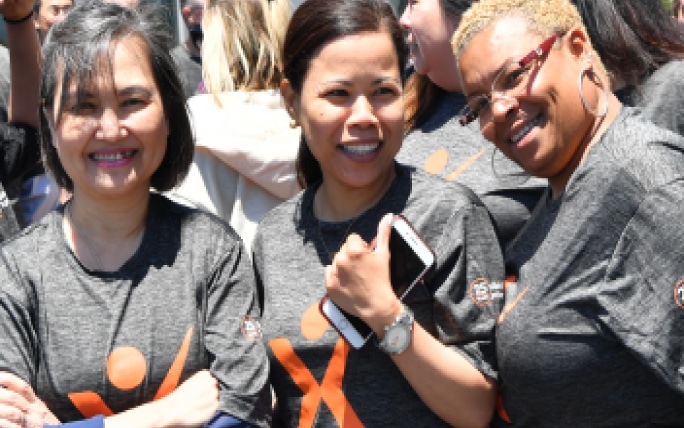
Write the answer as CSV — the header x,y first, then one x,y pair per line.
x,y
584,99
294,124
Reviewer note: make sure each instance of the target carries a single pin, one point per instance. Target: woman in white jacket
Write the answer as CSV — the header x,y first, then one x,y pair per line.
x,y
245,150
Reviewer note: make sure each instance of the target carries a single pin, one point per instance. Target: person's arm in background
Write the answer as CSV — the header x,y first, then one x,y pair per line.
x,y
19,148
25,61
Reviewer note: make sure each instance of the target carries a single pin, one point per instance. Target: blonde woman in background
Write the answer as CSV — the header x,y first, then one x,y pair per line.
x,y
245,150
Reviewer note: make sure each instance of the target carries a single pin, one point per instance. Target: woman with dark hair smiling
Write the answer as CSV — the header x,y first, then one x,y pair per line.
x,y
343,65
121,307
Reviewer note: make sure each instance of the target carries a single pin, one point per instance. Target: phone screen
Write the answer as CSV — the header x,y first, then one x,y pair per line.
x,y
405,265
406,268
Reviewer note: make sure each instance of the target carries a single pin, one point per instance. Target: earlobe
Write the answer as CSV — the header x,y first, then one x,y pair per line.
x,y
578,43
290,98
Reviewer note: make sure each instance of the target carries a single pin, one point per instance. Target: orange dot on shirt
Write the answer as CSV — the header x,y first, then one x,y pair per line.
x,y
437,161
126,367
313,323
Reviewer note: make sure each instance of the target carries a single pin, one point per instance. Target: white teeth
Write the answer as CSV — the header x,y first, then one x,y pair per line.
x,y
361,149
517,137
112,156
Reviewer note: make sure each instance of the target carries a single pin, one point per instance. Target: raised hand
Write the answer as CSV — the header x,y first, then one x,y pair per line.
x,y
359,280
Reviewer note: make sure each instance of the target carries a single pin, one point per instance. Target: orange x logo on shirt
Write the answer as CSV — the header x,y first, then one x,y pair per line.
x,y
313,326
126,369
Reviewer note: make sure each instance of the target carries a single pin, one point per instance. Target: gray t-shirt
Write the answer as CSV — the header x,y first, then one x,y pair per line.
x,y
318,380
460,153
660,96
93,343
593,333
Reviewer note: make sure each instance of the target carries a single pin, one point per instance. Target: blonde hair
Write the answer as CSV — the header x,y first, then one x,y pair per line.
x,y
242,45
544,17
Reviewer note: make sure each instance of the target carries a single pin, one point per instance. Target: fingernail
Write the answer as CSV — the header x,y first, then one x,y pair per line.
x,y
388,218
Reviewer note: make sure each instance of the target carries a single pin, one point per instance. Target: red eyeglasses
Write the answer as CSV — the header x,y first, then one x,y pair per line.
x,y
511,81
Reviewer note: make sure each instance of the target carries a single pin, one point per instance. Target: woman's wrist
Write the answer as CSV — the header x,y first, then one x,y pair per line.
x,y
19,20
387,317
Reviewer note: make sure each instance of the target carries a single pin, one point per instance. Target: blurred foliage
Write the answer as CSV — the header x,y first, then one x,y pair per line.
x,y
668,5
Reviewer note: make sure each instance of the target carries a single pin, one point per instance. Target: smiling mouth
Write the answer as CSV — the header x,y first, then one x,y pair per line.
x,y
526,129
360,149
110,157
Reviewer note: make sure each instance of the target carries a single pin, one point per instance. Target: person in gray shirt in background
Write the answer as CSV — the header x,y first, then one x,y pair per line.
x,y
436,142
188,54
592,334
19,143
643,51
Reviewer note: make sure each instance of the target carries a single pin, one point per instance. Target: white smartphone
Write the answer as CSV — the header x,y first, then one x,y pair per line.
x,y
410,260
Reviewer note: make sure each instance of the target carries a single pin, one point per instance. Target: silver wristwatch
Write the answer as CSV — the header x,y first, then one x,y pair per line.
x,y
398,334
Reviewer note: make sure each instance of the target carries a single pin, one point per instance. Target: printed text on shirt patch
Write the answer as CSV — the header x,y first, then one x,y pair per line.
x,y
679,293
482,292
250,328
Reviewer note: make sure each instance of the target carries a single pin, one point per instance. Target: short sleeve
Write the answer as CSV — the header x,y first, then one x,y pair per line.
x,y
233,339
18,337
643,295
469,283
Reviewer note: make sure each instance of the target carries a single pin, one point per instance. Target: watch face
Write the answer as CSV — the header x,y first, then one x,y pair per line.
x,y
396,339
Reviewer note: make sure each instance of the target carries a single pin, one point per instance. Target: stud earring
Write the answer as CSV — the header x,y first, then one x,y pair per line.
x,y
294,124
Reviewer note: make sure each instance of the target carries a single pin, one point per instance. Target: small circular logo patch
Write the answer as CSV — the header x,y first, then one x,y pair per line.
x,y
481,292
250,328
679,294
